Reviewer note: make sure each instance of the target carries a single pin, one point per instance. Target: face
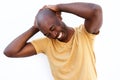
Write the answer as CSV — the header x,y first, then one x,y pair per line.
x,y
51,25
54,28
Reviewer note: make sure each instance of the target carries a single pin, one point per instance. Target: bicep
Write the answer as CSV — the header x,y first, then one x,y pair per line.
x,y
28,50
94,23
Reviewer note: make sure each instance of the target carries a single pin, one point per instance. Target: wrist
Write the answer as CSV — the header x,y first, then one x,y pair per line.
x,y
59,7
34,29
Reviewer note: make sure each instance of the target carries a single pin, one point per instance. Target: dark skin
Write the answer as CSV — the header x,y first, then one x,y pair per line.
x,y
52,26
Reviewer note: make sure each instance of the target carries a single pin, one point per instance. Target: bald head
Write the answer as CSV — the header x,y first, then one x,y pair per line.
x,y
45,14
51,25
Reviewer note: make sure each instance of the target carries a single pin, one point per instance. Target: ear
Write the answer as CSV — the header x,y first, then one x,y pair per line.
x,y
58,14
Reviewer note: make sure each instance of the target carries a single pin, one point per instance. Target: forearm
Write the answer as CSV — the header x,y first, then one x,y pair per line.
x,y
16,45
84,10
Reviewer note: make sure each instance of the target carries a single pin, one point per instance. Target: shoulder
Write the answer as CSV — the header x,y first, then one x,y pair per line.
x,y
40,44
41,41
82,30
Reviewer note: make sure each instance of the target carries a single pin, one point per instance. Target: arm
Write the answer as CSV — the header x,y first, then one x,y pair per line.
x,y
19,47
92,14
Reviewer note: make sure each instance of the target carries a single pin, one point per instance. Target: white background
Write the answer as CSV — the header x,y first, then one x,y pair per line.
x,y
16,16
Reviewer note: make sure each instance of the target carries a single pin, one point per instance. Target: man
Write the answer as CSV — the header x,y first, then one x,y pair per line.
x,y
69,50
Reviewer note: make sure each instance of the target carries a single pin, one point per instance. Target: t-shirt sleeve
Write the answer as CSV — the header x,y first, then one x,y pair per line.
x,y
84,31
40,44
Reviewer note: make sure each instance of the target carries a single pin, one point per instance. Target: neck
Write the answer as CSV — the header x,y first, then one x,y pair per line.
x,y
70,34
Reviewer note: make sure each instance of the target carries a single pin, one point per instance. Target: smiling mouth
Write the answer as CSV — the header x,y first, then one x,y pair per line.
x,y
60,35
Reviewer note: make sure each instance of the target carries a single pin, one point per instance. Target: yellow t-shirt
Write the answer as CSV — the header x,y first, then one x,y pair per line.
x,y
74,60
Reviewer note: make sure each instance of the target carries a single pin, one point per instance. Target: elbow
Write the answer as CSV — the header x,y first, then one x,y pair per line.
x,y
97,10
7,53
98,14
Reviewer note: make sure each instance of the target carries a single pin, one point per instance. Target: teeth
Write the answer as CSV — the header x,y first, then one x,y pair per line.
x,y
60,35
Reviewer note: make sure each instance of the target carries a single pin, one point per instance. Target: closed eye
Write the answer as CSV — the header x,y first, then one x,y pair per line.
x,y
52,28
47,34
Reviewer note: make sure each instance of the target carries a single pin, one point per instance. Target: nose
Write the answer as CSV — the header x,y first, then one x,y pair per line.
x,y
54,34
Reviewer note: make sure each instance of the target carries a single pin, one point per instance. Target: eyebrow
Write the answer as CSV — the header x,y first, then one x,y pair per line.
x,y
46,34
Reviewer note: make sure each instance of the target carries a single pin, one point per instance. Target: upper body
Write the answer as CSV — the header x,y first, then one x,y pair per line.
x,y
49,22
73,60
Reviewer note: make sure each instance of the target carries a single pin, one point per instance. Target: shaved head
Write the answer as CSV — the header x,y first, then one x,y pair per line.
x,y
51,25
45,14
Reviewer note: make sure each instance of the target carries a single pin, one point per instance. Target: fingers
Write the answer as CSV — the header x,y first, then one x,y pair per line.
x,y
52,7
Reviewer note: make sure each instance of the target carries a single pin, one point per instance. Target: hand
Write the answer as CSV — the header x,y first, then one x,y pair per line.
x,y
35,25
53,8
